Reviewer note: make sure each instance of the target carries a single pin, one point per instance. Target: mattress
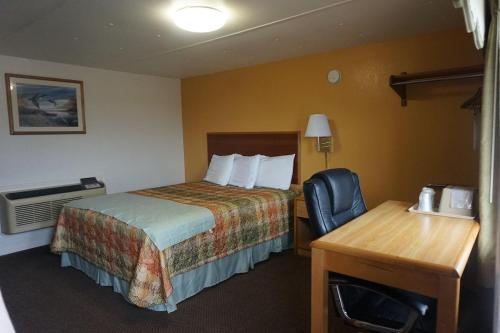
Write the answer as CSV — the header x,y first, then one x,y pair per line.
x,y
244,220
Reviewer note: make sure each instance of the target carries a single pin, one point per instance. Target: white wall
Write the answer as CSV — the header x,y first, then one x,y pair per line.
x,y
133,140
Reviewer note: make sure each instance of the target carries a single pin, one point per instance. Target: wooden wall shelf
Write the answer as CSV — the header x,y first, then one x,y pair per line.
x,y
399,82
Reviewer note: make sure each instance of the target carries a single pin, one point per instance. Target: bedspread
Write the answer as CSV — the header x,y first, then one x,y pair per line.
x,y
243,218
166,222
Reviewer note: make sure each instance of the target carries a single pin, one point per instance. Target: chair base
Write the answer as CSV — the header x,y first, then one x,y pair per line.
x,y
375,325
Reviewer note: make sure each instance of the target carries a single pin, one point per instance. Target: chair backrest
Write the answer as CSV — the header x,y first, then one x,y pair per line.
x,y
333,198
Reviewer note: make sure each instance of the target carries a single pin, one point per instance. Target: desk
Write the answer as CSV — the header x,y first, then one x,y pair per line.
x,y
388,245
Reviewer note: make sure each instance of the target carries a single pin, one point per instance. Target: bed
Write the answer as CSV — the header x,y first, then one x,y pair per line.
x,y
249,225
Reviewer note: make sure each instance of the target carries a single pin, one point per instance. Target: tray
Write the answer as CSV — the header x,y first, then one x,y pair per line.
x,y
413,209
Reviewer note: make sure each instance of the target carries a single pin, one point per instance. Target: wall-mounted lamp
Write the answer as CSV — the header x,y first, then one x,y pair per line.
x,y
319,128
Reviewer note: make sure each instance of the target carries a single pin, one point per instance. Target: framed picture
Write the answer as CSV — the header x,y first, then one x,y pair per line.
x,y
43,105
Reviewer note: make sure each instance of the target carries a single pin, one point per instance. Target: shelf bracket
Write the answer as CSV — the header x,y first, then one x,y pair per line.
x,y
399,89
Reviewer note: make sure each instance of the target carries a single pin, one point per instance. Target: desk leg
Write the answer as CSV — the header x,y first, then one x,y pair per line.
x,y
447,307
319,292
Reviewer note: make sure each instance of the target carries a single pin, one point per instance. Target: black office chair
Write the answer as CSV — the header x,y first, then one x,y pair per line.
x,y
333,198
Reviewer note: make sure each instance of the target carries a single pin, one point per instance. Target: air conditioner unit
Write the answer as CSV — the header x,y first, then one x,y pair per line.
x,y
39,208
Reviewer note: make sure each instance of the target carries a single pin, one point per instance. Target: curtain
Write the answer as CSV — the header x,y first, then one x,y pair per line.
x,y
493,52
490,123
5,322
487,164
474,14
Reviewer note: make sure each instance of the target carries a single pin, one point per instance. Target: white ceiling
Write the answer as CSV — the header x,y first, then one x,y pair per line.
x,y
138,35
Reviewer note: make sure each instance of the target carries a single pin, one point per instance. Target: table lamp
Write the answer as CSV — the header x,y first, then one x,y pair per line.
x,y
319,128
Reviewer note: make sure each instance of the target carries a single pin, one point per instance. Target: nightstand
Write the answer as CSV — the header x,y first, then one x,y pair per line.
x,y
301,231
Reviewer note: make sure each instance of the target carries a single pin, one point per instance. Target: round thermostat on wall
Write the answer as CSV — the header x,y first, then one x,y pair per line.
x,y
334,76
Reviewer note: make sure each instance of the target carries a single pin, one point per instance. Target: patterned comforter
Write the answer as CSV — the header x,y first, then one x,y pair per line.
x,y
243,218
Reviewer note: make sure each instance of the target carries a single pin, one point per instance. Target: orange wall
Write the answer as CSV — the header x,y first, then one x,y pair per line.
x,y
395,150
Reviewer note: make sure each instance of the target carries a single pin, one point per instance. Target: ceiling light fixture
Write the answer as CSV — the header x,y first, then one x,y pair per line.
x,y
199,18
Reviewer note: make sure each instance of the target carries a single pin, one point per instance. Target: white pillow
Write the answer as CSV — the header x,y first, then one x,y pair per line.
x,y
219,170
275,172
245,170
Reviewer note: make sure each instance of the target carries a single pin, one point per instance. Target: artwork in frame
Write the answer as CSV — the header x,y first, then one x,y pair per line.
x,y
43,105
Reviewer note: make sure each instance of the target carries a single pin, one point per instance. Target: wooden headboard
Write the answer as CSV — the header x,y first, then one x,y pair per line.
x,y
253,143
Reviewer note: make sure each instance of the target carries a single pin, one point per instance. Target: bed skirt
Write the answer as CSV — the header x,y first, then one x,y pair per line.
x,y
189,283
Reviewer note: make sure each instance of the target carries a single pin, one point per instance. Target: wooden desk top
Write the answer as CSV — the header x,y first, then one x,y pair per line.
x,y
391,234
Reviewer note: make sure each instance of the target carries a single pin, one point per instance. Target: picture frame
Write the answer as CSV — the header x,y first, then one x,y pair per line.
x,y
44,105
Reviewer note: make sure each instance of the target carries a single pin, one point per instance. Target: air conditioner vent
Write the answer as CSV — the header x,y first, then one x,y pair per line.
x,y
42,212
23,214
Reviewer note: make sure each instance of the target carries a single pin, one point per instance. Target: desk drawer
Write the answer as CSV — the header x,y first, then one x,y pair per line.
x,y
397,276
301,209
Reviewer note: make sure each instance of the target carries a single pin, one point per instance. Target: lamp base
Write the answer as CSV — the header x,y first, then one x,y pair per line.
x,y
324,145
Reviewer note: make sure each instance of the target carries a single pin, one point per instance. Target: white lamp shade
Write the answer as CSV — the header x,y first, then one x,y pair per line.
x,y
318,126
